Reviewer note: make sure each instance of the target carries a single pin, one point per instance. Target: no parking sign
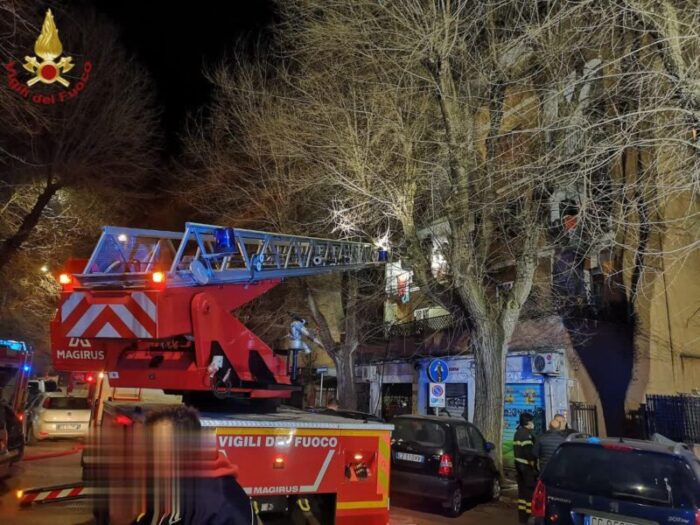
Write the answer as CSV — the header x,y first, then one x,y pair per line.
x,y
436,395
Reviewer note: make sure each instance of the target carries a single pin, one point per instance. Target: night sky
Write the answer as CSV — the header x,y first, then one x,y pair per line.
x,y
173,40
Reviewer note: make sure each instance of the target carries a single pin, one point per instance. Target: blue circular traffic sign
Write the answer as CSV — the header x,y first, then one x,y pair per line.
x,y
437,391
438,370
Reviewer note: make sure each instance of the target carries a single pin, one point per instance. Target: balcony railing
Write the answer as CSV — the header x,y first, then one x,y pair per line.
x,y
420,327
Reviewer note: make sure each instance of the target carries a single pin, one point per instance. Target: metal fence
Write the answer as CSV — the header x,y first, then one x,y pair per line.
x,y
584,418
635,425
676,417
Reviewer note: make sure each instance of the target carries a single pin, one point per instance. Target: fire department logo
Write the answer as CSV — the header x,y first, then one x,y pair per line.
x,y
47,67
48,47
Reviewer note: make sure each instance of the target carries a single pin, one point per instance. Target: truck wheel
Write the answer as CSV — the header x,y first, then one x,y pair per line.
x,y
453,506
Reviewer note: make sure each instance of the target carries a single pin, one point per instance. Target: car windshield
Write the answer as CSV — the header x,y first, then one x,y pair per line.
x,y
424,433
73,403
620,473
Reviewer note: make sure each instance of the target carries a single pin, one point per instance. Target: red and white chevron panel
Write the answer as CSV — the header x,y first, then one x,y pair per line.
x,y
86,318
53,494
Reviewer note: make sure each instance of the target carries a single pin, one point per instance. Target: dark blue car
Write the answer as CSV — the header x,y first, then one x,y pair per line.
x,y
618,482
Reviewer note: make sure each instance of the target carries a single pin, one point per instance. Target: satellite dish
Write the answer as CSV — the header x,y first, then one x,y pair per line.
x,y
200,272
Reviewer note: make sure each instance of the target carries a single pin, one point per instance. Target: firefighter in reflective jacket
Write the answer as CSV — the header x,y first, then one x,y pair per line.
x,y
523,443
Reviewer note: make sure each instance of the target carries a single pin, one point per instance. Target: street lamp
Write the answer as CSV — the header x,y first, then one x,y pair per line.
x,y
44,269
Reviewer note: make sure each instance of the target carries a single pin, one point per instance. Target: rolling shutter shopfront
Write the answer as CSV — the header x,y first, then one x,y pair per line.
x,y
519,398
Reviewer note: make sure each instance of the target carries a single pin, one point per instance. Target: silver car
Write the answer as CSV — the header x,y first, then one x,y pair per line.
x,y
56,415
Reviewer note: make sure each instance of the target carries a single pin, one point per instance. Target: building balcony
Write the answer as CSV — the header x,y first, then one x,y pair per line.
x,y
419,327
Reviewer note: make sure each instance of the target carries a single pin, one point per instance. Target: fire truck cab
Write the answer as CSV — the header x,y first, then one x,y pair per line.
x,y
15,367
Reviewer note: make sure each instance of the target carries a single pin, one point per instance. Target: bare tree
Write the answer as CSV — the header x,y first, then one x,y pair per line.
x,y
242,170
479,123
66,169
102,141
484,135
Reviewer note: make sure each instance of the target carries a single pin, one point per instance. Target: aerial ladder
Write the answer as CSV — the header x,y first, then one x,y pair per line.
x,y
159,304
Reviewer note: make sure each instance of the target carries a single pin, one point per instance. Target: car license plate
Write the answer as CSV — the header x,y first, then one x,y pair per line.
x,y
67,427
416,458
597,520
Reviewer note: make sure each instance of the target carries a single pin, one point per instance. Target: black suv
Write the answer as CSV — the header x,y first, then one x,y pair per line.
x,y
442,458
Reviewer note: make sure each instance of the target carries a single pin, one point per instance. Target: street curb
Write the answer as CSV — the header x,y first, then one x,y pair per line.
x,y
509,494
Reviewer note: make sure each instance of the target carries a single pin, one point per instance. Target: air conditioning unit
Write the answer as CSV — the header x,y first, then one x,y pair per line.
x,y
547,363
366,373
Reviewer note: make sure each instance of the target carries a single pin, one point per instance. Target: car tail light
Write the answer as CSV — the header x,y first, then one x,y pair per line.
x,y
539,500
697,517
121,419
445,465
20,417
46,403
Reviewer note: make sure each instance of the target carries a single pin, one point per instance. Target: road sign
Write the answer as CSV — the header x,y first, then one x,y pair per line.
x,y
322,370
438,370
436,395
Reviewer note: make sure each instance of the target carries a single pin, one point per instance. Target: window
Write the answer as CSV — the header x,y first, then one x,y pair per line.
x,y
421,432
70,403
645,477
463,437
476,438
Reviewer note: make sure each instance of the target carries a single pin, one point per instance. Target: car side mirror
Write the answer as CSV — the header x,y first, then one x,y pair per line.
x,y
488,447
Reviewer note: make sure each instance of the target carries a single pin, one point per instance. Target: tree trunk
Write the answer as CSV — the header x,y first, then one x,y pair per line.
x,y
489,367
343,353
345,376
12,244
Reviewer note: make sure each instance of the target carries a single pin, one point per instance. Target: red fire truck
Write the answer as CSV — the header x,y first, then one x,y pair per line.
x,y
153,310
15,367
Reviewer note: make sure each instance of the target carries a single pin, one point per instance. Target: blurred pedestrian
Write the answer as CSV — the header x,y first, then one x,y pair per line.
x,y
548,442
193,483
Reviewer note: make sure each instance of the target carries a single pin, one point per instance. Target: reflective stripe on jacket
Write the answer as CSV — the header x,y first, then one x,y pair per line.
x,y
523,444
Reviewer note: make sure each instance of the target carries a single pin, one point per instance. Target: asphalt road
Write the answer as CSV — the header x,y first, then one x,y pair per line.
x,y
405,512
41,473
66,469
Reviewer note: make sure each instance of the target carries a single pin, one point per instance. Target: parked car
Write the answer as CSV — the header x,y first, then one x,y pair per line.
x,y
36,387
11,439
442,458
56,415
618,482
29,407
